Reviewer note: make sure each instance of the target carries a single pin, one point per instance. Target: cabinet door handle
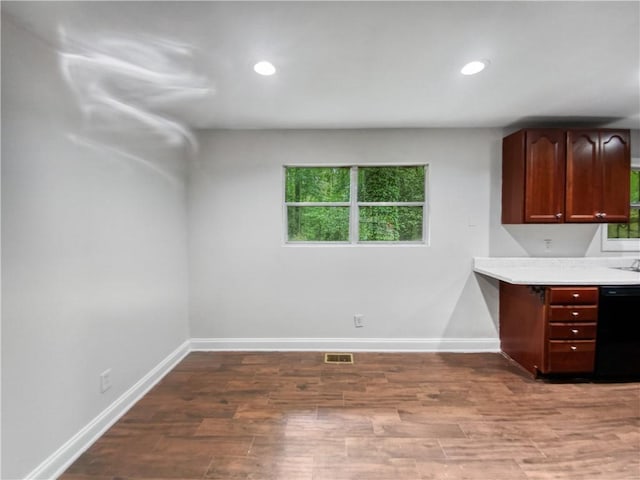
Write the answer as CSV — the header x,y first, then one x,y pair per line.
x,y
574,331
558,215
575,314
603,214
573,348
576,295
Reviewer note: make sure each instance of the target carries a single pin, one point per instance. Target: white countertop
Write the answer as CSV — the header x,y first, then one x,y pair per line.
x,y
558,271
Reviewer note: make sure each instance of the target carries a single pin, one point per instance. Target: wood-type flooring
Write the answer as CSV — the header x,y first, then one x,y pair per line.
x,y
389,416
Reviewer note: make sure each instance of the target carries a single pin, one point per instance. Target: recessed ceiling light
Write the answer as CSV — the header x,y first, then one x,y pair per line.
x,y
474,67
264,68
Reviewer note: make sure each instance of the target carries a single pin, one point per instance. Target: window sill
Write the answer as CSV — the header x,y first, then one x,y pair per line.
x,y
617,245
345,244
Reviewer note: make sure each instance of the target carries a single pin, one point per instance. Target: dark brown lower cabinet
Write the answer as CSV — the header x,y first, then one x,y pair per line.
x,y
548,329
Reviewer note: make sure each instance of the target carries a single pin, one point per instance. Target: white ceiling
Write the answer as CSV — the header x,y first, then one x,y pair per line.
x,y
351,64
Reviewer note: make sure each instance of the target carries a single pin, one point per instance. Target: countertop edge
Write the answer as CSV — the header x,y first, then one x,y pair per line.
x,y
557,271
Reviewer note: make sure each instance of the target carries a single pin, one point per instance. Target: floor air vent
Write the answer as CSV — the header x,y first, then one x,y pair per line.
x,y
338,358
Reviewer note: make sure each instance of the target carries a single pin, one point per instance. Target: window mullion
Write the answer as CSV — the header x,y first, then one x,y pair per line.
x,y
318,204
391,204
354,224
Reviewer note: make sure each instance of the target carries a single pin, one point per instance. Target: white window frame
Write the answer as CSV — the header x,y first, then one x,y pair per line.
x,y
620,244
354,207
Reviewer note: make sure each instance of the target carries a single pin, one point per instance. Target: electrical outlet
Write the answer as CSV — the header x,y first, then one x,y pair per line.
x,y
105,380
547,244
358,320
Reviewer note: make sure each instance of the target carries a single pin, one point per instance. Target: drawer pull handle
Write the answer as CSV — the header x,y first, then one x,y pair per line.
x,y
574,348
574,331
576,295
575,314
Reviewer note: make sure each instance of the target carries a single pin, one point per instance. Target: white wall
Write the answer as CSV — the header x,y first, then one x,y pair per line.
x,y
93,260
245,283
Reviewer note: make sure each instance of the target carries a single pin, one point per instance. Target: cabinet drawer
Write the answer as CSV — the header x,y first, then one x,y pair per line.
x,y
561,313
569,331
573,295
571,356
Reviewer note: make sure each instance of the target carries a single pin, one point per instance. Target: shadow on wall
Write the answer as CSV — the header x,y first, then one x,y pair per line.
x,y
550,240
466,321
562,122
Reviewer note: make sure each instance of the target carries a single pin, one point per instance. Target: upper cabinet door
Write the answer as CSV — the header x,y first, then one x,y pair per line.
x,y
598,169
615,154
583,176
545,176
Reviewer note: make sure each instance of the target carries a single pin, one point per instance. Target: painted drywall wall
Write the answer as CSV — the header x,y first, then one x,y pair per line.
x,y
245,283
567,240
94,272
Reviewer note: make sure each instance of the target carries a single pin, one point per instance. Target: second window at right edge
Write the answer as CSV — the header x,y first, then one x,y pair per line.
x,y
626,236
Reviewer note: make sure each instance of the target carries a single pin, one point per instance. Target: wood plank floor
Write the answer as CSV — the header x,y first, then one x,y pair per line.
x,y
289,416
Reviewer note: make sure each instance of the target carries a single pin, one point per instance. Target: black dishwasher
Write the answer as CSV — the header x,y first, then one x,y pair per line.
x,y
618,335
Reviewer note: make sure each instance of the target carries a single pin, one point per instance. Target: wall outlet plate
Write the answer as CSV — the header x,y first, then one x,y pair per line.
x,y
105,380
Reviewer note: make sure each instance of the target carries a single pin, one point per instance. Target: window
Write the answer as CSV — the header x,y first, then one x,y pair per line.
x,y
357,204
626,236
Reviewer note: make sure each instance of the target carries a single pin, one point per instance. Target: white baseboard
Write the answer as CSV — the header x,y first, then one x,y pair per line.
x,y
62,458
348,344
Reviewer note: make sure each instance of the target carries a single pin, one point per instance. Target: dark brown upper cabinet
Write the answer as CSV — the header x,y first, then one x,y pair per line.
x,y
598,168
556,176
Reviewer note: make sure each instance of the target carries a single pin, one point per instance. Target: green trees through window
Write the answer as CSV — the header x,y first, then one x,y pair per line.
x,y
391,201
632,228
355,204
